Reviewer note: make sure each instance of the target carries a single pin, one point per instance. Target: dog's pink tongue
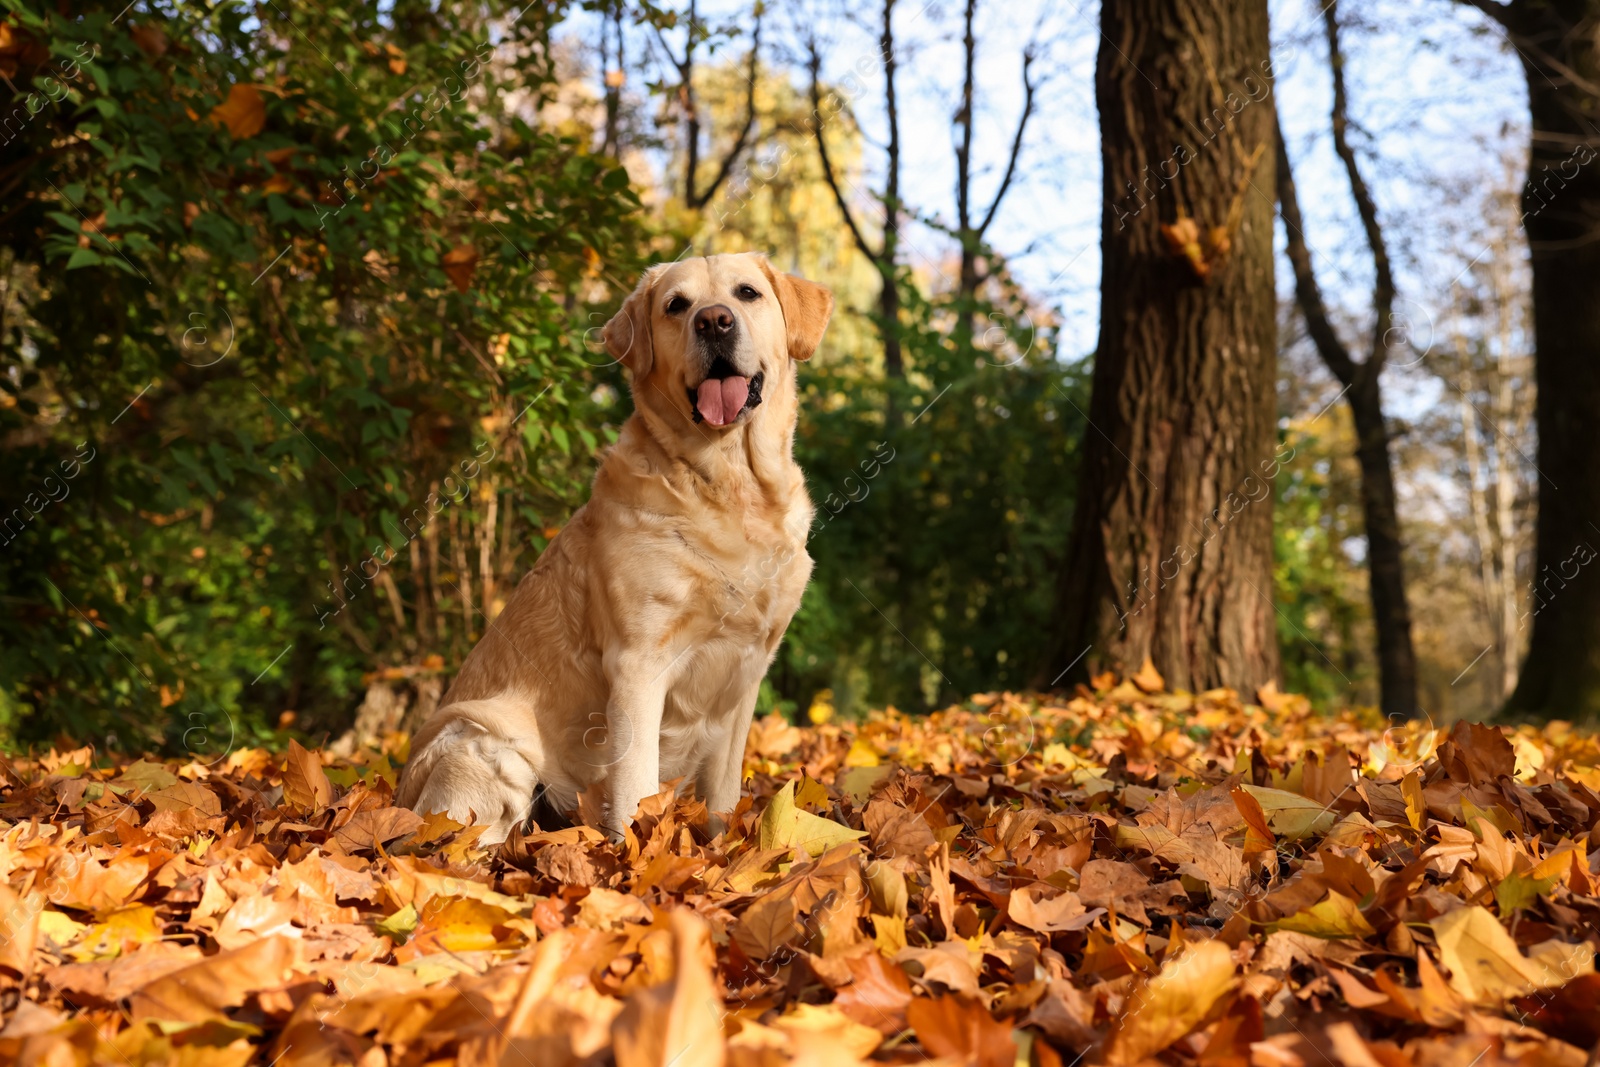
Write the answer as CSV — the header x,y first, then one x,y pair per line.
x,y
719,400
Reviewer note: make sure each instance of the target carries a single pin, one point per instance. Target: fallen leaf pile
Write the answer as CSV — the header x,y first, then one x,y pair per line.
x,y
1119,876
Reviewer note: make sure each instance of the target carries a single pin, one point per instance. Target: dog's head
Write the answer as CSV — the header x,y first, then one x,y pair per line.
x,y
707,339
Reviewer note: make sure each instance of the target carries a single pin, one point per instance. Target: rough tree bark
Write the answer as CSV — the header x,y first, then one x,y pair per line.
x,y
1558,42
1171,549
1391,614
885,257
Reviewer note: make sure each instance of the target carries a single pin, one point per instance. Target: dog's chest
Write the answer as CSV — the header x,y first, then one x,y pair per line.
x,y
760,576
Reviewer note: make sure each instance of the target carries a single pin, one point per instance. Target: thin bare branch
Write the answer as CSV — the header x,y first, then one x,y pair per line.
x,y
891,190
1028,88
969,47
733,153
1307,293
828,174
1383,289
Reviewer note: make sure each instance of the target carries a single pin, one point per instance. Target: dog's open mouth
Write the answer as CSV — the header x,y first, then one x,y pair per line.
x,y
725,394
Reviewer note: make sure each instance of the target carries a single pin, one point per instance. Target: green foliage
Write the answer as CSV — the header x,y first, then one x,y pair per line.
x,y
1324,623
939,526
314,295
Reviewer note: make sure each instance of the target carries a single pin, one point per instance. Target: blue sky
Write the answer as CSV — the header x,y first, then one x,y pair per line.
x,y
1436,93
1437,99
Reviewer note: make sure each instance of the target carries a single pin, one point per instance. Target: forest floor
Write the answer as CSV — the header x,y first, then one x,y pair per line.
x,y
1120,876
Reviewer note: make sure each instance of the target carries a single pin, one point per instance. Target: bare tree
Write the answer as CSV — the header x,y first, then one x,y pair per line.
x,y
1397,661
968,232
687,104
885,255
613,72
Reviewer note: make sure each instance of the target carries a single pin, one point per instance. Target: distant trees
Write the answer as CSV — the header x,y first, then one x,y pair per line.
x,y
884,254
971,226
684,102
1170,554
1486,364
1391,613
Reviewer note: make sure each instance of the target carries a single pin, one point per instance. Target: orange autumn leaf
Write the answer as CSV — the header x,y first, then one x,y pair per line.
x,y
680,1021
305,783
1148,678
244,112
206,989
1165,1008
459,264
1147,892
963,1030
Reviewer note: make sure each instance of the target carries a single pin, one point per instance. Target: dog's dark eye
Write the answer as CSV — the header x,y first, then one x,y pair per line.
x,y
677,305
747,292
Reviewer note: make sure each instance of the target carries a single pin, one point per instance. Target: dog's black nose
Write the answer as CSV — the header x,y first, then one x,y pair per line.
x,y
713,322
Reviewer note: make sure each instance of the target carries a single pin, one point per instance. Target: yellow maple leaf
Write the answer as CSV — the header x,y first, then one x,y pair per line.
x,y
784,825
1168,1006
1334,917
1291,815
1485,965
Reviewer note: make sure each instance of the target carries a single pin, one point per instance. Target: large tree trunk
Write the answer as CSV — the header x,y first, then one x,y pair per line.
x,y
1561,676
1171,547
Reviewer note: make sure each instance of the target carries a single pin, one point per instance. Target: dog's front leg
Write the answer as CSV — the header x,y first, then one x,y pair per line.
x,y
633,728
722,775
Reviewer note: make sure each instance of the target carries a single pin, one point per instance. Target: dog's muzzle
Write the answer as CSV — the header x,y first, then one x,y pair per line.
x,y
725,394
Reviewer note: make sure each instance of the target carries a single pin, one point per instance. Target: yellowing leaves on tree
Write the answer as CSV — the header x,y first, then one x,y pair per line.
x,y
460,263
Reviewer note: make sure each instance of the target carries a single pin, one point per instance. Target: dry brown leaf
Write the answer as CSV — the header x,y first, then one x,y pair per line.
x,y
1485,965
1148,678
305,783
1038,908
206,989
376,826
962,1030
877,995
155,890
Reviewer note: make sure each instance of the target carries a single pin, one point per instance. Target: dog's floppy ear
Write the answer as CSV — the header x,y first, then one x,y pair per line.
x,y
627,335
807,307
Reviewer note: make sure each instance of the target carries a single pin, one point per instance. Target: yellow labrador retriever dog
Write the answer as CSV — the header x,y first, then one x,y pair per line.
x,y
633,651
